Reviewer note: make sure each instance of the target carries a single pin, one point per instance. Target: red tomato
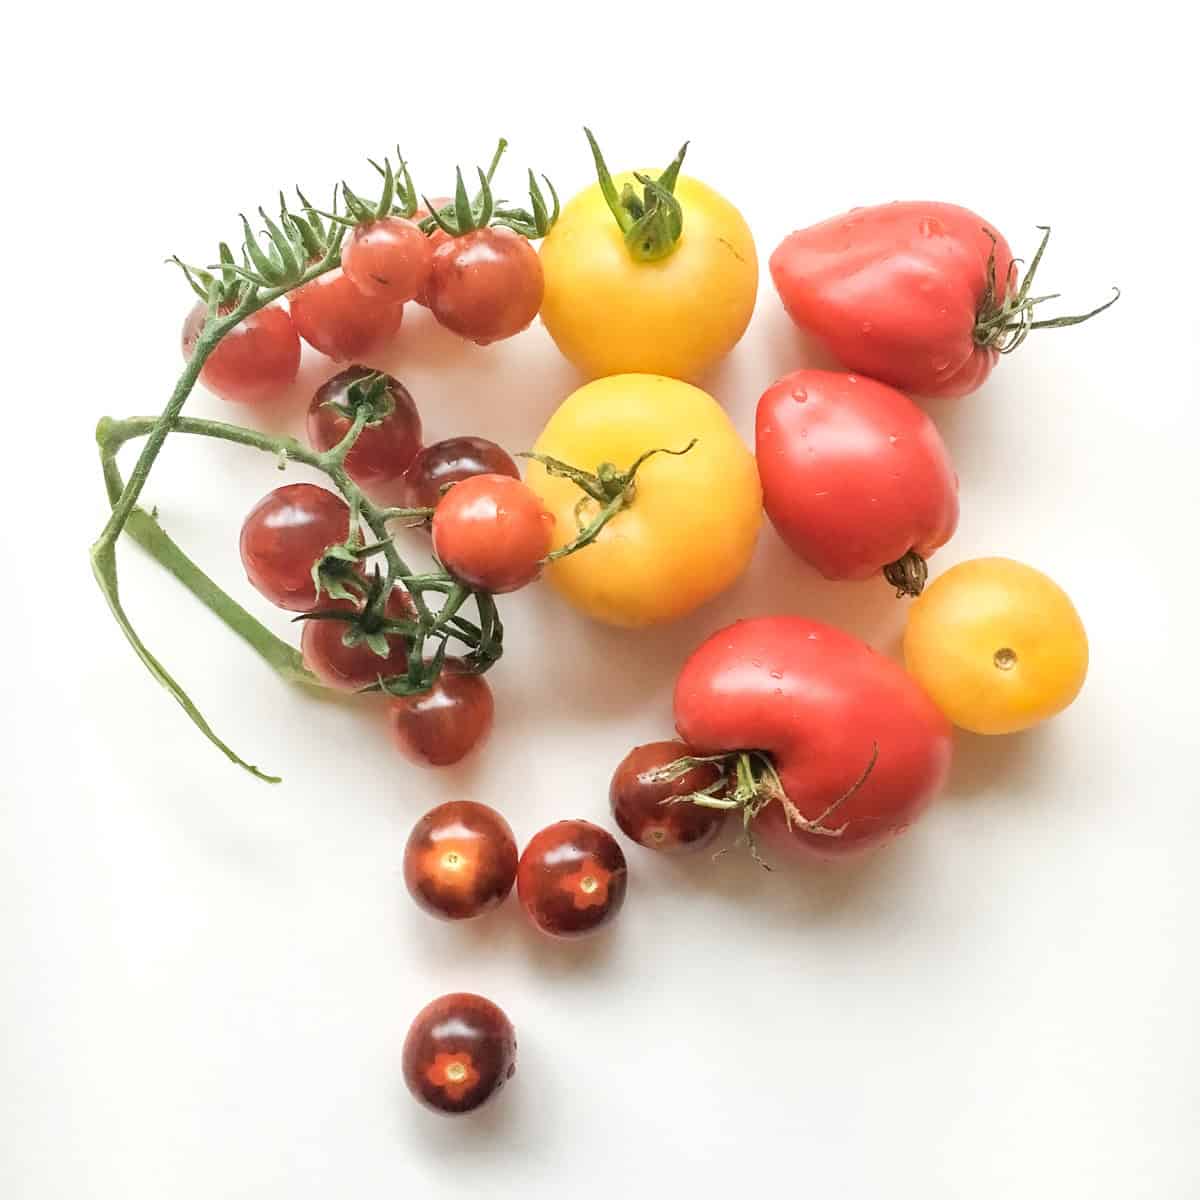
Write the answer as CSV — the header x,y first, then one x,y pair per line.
x,y
440,464
254,362
492,532
442,726
571,879
351,668
387,259
822,705
334,317
436,237
855,476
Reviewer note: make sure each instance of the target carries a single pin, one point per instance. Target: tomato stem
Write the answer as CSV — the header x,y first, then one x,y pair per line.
x,y
907,574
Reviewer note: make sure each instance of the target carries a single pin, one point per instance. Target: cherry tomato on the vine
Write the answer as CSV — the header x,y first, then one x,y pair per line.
x,y
440,727
388,259
334,317
351,668
571,878
437,235
642,806
440,464
254,362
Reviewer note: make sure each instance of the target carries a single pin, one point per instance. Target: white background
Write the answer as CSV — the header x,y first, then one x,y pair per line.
x,y
205,981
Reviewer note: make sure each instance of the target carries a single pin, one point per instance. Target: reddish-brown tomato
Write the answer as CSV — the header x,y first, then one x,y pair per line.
x,y
254,362
334,317
443,725
439,465
571,879
387,259
351,668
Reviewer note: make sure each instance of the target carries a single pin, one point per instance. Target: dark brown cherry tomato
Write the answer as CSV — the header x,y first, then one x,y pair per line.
x,y
460,861
254,362
439,465
387,259
351,668
460,1051
384,451
443,725
571,878
492,532
286,532
436,237
334,317
642,809
486,285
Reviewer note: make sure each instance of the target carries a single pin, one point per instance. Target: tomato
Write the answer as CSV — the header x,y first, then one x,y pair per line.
x,y
492,533
436,236
440,464
642,806
442,726
284,536
460,1051
254,362
352,668
387,259
998,645
334,317
485,285
692,519
858,747
571,879
855,476
460,860
384,450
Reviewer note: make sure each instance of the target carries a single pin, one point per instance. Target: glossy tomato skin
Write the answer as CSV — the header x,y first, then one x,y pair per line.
x,y
485,285
437,236
854,474
284,535
440,464
388,259
254,362
894,292
491,532
460,861
461,1049
442,726
352,668
641,809
818,701
571,879
334,317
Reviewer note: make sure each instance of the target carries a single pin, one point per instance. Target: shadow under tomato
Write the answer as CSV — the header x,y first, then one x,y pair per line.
x,y
1004,766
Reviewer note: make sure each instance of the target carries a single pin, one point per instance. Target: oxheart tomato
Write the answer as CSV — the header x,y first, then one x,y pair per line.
x,y
829,713
855,476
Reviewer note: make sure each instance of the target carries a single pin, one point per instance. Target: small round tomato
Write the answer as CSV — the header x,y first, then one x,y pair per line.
x,y
384,450
643,809
387,259
492,533
439,465
437,235
460,861
284,536
254,362
460,1051
571,879
442,726
485,285
352,668
997,645
334,317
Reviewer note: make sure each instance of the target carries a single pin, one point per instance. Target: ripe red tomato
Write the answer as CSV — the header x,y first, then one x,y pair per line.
x,y
442,726
440,464
352,668
823,706
855,476
254,362
491,532
642,809
485,285
285,534
571,879
334,317
437,235
387,259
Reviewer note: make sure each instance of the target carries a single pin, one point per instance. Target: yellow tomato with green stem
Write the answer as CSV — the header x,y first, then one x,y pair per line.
x,y
658,496
650,274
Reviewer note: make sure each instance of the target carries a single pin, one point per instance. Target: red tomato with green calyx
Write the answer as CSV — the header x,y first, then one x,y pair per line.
x,y
255,362
334,317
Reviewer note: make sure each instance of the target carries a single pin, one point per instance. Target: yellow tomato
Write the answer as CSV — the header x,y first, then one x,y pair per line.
x,y
677,315
997,645
691,522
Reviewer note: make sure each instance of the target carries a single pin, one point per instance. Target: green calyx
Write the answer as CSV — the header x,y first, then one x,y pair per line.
x,y
652,222
370,393
907,574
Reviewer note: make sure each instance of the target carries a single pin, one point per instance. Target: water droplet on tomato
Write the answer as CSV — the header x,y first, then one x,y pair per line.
x,y
756,662
799,395
939,363
867,327
812,637
776,674
851,378
930,227
893,438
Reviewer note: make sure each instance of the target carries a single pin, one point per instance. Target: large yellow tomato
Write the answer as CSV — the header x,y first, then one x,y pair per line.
x,y
690,522
610,313
997,645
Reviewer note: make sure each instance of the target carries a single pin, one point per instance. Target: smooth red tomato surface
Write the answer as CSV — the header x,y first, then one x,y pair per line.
x,y
443,725
817,700
492,532
440,464
285,534
571,879
436,237
334,317
894,292
351,668
254,362
486,285
388,259
854,474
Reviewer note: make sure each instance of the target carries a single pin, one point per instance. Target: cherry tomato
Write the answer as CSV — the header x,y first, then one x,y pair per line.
x,y
383,451
437,235
439,465
571,879
254,362
485,285
855,476
460,1051
387,259
997,645
827,710
351,668
460,861
285,534
443,725
642,809
334,317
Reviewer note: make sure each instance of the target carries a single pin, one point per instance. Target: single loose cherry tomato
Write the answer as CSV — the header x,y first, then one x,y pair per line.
x,y
571,879
284,536
440,727
642,806
387,259
460,1051
351,668
485,285
254,362
437,235
334,317
440,464
997,645
460,861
